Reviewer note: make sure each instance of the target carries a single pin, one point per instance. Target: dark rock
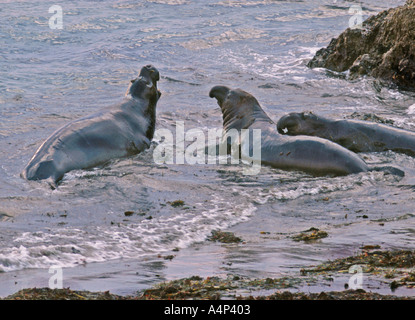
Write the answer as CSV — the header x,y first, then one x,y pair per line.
x,y
324,296
310,235
224,237
171,289
177,203
287,295
383,48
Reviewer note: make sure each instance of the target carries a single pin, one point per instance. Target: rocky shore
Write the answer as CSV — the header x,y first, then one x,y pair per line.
x,y
67,294
394,269
383,47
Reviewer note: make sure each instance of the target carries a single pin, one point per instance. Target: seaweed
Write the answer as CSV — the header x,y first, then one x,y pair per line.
x,y
310,235
224,237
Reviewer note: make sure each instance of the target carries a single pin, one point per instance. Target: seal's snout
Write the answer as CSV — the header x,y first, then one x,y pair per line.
x,y
150,72
219,92
281,125
146,83
287,124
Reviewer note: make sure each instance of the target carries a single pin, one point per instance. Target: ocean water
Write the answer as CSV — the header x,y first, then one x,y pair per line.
x,y
49,77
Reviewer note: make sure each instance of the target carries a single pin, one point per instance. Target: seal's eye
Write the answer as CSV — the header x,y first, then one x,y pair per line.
x,y
133,80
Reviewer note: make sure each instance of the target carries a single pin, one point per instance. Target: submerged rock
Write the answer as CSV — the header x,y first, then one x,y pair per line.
x,y
224,237
383,47
310,235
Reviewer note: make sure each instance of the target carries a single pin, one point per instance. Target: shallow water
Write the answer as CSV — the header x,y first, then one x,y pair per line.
x,y
50,77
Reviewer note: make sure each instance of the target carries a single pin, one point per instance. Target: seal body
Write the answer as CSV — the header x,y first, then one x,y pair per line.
x,y
310,154
355,135
119,131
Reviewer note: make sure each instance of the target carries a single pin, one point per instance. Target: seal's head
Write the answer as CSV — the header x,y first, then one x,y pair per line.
x,y
145,86
239,108
304,123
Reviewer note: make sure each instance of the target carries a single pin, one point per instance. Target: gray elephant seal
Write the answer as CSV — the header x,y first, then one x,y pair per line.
x,y
310,154
119,131
355,135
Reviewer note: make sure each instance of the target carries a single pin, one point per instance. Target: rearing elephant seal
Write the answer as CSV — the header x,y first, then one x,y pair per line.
x,y
314,155
119,131
355,135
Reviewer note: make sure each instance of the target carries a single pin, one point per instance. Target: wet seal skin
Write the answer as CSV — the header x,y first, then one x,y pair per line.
x,y
310,154
118,131
355,135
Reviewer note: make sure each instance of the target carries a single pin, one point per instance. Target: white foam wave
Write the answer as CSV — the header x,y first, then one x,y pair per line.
x,y
411,109
68,247
313,187
273,66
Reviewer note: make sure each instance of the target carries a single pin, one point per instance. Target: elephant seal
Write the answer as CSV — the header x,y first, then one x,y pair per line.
x,y
309,154
355,135
118,131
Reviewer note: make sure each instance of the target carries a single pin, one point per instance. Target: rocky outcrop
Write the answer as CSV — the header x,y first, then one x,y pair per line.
x,y
384,47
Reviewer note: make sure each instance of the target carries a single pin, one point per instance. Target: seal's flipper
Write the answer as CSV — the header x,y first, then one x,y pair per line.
x,y
52,183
